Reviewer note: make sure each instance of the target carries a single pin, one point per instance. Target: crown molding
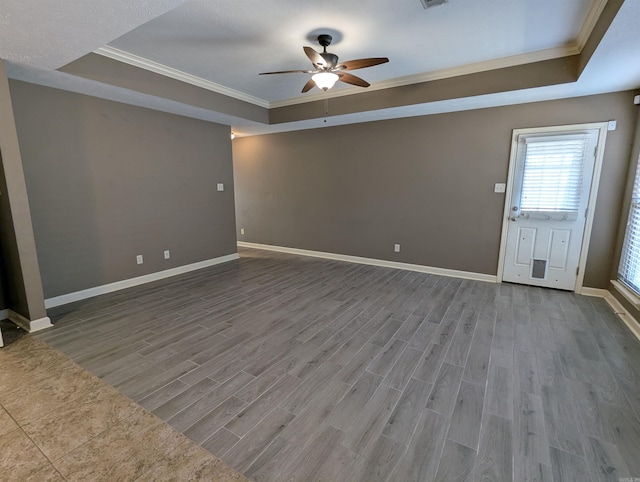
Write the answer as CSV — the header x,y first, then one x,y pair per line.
x,y
597,6
505,62
495,64
150,65
573,48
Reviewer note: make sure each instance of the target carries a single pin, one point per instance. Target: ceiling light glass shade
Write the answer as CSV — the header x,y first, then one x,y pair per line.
x,y
325,80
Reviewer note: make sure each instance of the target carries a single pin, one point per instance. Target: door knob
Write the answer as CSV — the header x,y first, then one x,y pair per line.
x,y
513,218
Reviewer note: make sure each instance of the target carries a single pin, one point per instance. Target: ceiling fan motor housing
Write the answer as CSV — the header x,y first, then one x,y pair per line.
x,y
325,40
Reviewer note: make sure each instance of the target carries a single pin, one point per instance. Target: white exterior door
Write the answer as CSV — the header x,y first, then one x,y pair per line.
x,y
548,207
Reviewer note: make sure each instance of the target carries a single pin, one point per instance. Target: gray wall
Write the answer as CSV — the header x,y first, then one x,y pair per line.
x,y
17,243
424,182
4,225
11,271
107,181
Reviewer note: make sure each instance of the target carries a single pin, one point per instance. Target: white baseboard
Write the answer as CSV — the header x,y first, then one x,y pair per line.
x,y
27,325
128,283
617,307
595,292
374,262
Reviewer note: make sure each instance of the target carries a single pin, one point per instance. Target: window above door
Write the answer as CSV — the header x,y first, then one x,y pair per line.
x,y
552,181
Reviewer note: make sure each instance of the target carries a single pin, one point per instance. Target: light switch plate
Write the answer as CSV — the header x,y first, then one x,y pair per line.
x,y
612,125
500,187
220,186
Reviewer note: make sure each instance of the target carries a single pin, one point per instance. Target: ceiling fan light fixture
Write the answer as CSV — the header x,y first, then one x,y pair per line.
x,y
325,80
326,65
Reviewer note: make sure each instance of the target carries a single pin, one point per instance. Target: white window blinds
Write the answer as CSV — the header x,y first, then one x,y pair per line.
x,y
552,180
629,270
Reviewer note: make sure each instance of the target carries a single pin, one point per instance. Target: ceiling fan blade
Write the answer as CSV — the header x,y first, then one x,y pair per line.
x,y
352,79
289,72
308,86
315,57
361,63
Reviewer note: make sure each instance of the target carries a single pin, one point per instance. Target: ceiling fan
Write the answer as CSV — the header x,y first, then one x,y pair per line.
x,y
328,70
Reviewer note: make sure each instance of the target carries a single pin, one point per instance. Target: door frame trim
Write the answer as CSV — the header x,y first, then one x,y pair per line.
x,y
593,191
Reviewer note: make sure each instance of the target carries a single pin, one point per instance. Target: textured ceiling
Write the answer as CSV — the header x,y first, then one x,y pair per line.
x,y
52,34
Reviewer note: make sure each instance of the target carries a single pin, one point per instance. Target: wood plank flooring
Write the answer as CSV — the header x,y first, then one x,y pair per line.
x,y
298,368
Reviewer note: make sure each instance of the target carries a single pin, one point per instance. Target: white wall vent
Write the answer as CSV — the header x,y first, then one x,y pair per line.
x,y
432,3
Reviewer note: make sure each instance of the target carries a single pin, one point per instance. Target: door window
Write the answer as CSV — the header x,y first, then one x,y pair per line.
x,y
552,177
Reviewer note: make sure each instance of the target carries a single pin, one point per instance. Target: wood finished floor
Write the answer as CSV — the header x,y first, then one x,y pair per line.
x,y
297,368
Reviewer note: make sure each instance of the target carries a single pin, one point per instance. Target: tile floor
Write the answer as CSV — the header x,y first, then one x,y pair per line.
x,y
58,422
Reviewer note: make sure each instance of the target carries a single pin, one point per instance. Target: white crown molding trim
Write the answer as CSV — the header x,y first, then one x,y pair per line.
x,y
128,283
495,64
373,262
150,65
572,48
618,308
27,325
505,62
597,6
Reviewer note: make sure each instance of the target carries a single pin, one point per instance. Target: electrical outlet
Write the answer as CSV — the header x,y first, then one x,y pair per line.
x,y
396,248
241,230
139,259
499,187
220,186
167,254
